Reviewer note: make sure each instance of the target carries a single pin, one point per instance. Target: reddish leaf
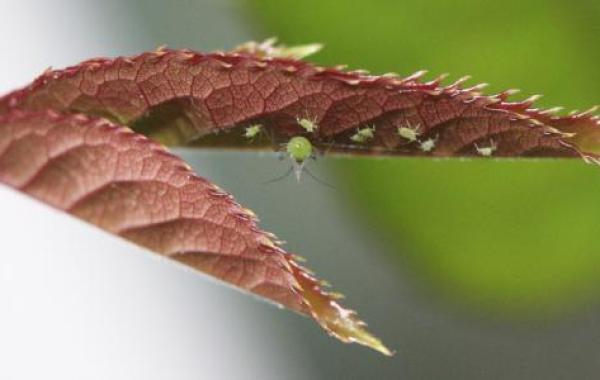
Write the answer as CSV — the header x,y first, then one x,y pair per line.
x,y
131,186
179,96
63,140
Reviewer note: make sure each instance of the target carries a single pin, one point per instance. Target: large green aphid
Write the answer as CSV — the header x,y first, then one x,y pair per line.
x,y
299,148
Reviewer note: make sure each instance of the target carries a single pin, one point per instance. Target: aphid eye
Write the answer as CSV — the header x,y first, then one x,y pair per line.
x,y
409,132
299,148
308,125
252,131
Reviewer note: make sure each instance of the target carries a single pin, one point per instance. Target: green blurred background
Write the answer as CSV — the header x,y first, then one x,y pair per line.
x,y
520,238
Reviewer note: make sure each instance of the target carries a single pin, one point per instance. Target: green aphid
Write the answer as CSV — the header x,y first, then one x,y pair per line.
x,y
252,131
363,135
410,132
309,125
299,148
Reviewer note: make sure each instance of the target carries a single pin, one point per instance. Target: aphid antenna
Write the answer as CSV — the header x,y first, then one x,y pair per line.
x,y
299,168
316,179
279,178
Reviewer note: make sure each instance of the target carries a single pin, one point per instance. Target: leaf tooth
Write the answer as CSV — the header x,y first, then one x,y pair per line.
x,y
351,82
504,95
337,321
298,258
360,72
414,76
460,81
532,99
336,295
187,55
437,81
592,110
161,50
478,87
224,64
511,91
250,212
551,111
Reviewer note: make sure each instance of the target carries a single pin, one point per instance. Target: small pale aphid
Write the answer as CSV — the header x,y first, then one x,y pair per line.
x,y
252,131
363,135
410,132
487,151
428,145
309,125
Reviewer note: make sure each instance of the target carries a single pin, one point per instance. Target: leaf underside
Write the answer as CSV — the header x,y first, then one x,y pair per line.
x,y
76,139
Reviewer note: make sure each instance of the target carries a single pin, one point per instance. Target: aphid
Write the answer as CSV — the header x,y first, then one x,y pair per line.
x,y
487,151
363,135
309,125
252,131
410,132
428,145
299,148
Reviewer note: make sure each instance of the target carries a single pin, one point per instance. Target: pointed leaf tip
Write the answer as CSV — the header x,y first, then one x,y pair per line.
x,y
339,322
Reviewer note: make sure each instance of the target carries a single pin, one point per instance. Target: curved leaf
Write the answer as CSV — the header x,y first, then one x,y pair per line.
x,y
181,96
131,186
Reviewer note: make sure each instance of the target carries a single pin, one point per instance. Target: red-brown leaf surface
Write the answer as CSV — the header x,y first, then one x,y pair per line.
x,y
181,96
131,186
68,139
